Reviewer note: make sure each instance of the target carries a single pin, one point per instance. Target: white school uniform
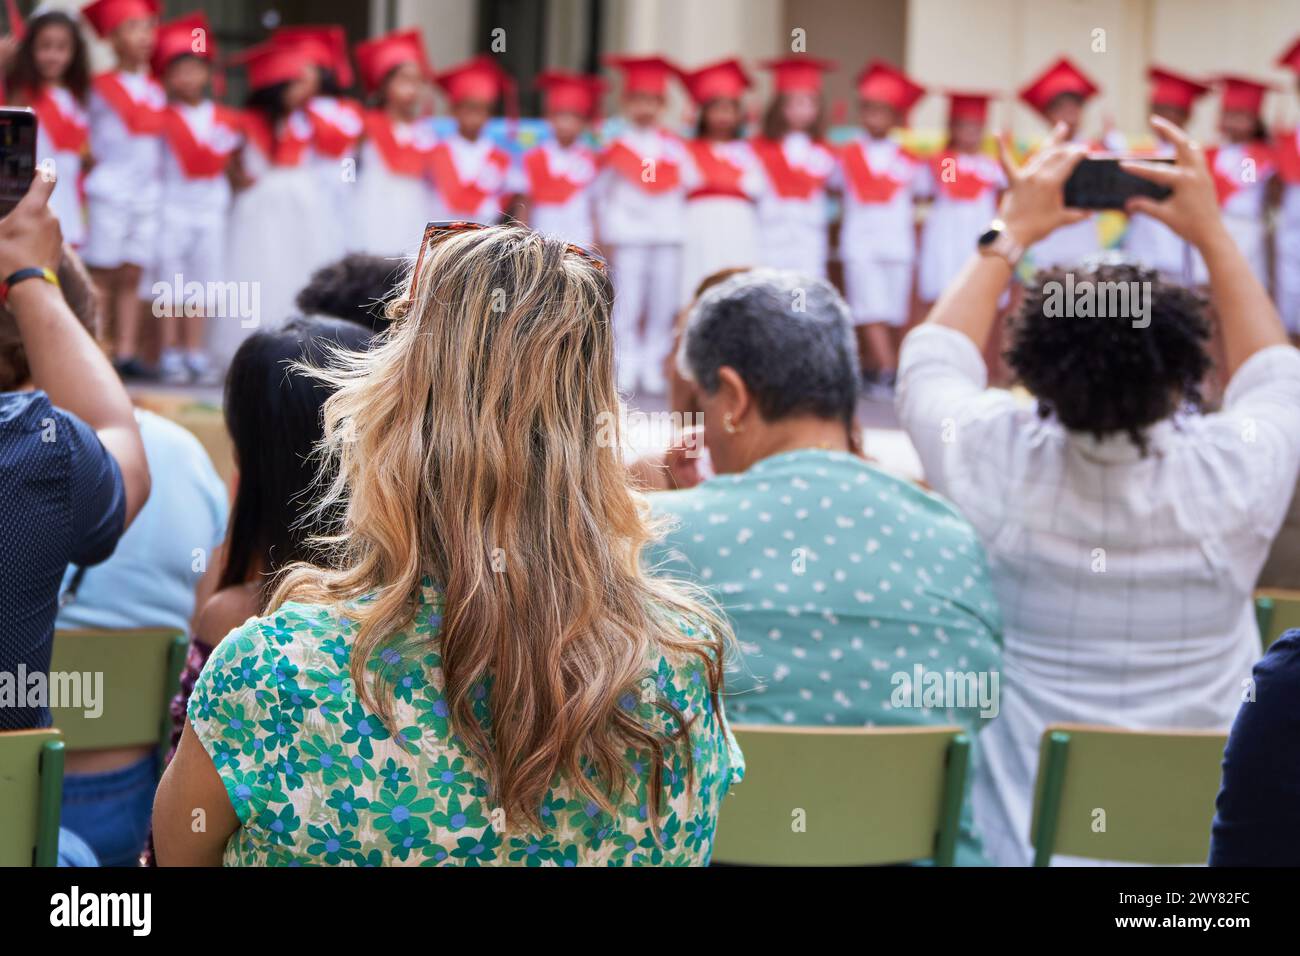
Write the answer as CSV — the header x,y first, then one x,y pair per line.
x,y
1286,265
472,179
62,138
124,188
1241,172
279,231
198,142
879,180
793,211
721,211
642,199
337,125
965,188
560,185
394,198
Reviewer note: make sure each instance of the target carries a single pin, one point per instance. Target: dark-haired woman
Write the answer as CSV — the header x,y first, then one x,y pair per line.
x,y
280,231
1124,529
51,74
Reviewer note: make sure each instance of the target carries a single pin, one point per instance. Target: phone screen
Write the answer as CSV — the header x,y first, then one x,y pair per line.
x,y
1100,183
17,155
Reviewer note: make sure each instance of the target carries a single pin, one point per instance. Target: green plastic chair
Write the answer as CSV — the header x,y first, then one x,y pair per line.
x,y
1157,792
142,671
1277,610
867,795
31,792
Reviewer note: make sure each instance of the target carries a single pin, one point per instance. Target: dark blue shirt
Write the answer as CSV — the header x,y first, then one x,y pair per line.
x,y
1257,818
61,501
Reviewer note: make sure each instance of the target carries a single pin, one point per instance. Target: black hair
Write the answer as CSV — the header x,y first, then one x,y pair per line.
x,y
273,414
25,79
1106,375
269,102
775,127
354,288
700,130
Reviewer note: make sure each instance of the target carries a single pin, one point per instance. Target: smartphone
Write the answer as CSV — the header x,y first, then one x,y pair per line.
x,y
17,155
1099,183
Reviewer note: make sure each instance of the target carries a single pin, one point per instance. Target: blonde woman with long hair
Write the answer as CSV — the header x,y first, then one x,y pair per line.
x,y
483,672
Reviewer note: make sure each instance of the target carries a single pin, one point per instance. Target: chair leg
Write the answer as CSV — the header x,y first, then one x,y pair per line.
x,y
1049,807
954,792
51,805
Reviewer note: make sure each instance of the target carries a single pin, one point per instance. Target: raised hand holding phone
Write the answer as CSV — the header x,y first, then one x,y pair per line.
x,y
1192,208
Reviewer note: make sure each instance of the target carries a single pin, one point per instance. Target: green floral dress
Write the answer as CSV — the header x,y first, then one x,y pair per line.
x,y
316,779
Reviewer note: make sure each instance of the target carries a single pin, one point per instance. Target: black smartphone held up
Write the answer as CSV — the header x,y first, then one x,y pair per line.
x,y
1099,183
17,155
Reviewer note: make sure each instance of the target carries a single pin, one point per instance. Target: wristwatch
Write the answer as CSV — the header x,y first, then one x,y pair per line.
x,y
996,241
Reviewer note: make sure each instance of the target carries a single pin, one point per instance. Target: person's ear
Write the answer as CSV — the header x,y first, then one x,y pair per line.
x,y
734,396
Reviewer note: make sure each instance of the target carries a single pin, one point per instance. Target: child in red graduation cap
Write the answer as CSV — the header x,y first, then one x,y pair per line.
x,y
1242,165
124,189
394,197
1147,240
964,182
50,74
726,179
1286,250
560,174
473,178
642,222
336,119
200,138
1059,95
793,211
879,179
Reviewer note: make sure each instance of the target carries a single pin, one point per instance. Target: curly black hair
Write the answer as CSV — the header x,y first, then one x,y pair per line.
x,y
353,288
1108,373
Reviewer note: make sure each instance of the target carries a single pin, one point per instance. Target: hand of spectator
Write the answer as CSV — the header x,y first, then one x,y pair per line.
x,y
682,459
30,235
1193,209
1034,202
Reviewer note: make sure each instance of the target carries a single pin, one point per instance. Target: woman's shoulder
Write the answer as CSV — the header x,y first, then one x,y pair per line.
x,y
682,671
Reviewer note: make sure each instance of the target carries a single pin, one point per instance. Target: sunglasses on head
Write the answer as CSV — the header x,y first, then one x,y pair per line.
x,y
435,231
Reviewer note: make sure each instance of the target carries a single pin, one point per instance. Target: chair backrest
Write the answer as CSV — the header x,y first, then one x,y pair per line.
x,y
817,796
31,792
141,674
1136,796
1277,610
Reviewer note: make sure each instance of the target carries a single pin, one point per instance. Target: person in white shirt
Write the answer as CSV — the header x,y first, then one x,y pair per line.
x,y
1243,165
560,174
1286,235
1125,530
642,214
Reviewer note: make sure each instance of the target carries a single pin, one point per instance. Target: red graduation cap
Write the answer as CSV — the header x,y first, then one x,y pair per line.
x,y
272,63
107,15
1242,93
569,92
725,79
643,74
969,105
17,26
1291,58
177,38
325,45
378,57
1173,89
798,74
478,79
1060,78
885,83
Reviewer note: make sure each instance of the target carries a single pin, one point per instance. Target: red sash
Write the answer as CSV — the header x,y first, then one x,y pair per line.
x,y
1286,151
328,138
197,159
282,150
544,187
788,181
719,177
629,164
461,197
963,184
68,134
403,159
140,118
868,186
1228,184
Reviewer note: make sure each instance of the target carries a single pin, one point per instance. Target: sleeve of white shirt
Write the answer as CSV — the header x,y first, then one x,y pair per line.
x,y
1261,422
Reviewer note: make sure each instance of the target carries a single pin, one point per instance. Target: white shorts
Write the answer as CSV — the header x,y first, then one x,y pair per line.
x,y
120,233
878,291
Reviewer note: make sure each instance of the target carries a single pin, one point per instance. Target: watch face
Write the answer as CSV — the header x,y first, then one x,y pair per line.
x,y
988,237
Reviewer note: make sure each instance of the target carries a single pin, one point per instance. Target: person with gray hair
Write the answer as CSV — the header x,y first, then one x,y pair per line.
x,y
850,590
